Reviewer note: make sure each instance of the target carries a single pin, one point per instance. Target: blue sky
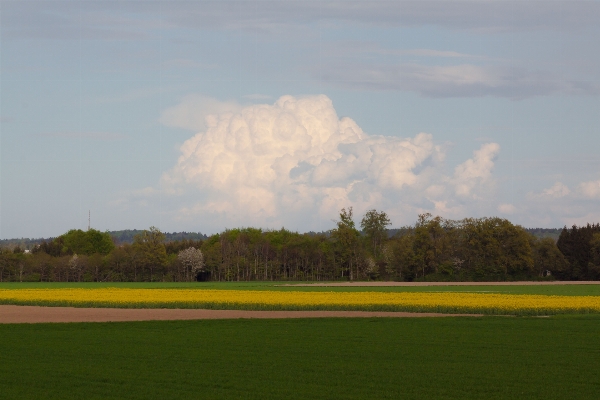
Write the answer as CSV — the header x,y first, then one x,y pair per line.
x,y
201,116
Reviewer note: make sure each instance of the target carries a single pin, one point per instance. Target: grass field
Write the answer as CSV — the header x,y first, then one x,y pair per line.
x,y
558,290
455,358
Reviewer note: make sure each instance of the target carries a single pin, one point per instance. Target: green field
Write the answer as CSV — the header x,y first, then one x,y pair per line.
x,y
562,290
412,358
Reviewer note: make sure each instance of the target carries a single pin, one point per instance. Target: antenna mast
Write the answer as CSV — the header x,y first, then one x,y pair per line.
x,y
89,215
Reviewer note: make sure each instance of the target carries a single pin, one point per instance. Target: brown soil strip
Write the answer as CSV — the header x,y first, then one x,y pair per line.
x,y
10,314
522,283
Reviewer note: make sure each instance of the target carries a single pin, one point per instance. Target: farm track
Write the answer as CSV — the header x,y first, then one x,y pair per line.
x,y
416,284
10,314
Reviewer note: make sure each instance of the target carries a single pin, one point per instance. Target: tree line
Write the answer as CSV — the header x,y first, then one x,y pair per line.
x,y
581,248
434,248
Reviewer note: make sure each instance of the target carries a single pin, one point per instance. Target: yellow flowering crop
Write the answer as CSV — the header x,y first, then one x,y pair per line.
x,y
274,300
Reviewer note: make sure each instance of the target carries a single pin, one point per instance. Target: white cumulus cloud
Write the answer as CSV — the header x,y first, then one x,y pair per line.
x,y
507,208
557,190
475,171
296,162
590,189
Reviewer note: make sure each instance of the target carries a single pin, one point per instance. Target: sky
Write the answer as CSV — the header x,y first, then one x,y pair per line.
x,y
202,116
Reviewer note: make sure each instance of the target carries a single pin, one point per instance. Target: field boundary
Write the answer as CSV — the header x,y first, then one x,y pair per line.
x,y
12,314
417,284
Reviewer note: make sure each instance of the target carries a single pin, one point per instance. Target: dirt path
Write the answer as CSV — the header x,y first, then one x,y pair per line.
x,y
522,283
33,314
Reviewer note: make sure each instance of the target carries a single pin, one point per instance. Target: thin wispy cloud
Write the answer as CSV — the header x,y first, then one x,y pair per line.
x,y
187,63
192,111
83,135
141,19
257,96
463,80
428,53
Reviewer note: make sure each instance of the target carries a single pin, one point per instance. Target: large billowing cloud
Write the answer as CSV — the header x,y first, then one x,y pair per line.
x,y
295,163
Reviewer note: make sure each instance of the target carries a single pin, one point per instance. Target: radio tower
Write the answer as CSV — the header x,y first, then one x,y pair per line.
x,y
89,214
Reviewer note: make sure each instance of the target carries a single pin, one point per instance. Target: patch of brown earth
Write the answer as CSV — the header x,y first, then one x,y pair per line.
x,y
10,314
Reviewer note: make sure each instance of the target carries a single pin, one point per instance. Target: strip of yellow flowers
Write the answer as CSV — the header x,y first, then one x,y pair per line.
x,y
274,300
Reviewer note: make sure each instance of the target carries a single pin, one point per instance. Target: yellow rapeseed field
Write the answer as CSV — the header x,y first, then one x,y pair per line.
x,y
275,300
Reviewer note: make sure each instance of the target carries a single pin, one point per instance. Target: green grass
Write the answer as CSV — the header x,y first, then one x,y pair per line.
x,y
443,358
562,290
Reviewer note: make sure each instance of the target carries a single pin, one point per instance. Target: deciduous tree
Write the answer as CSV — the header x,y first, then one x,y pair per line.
x,y
346,242
192,261
375,224
150,250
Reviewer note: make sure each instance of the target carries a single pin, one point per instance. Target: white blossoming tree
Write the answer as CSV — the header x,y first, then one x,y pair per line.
x,y
75,265
192,261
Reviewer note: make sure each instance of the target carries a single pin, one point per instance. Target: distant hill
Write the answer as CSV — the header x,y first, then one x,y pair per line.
x,y
119,237
126,236
541,233
397,232
23,243
553,233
